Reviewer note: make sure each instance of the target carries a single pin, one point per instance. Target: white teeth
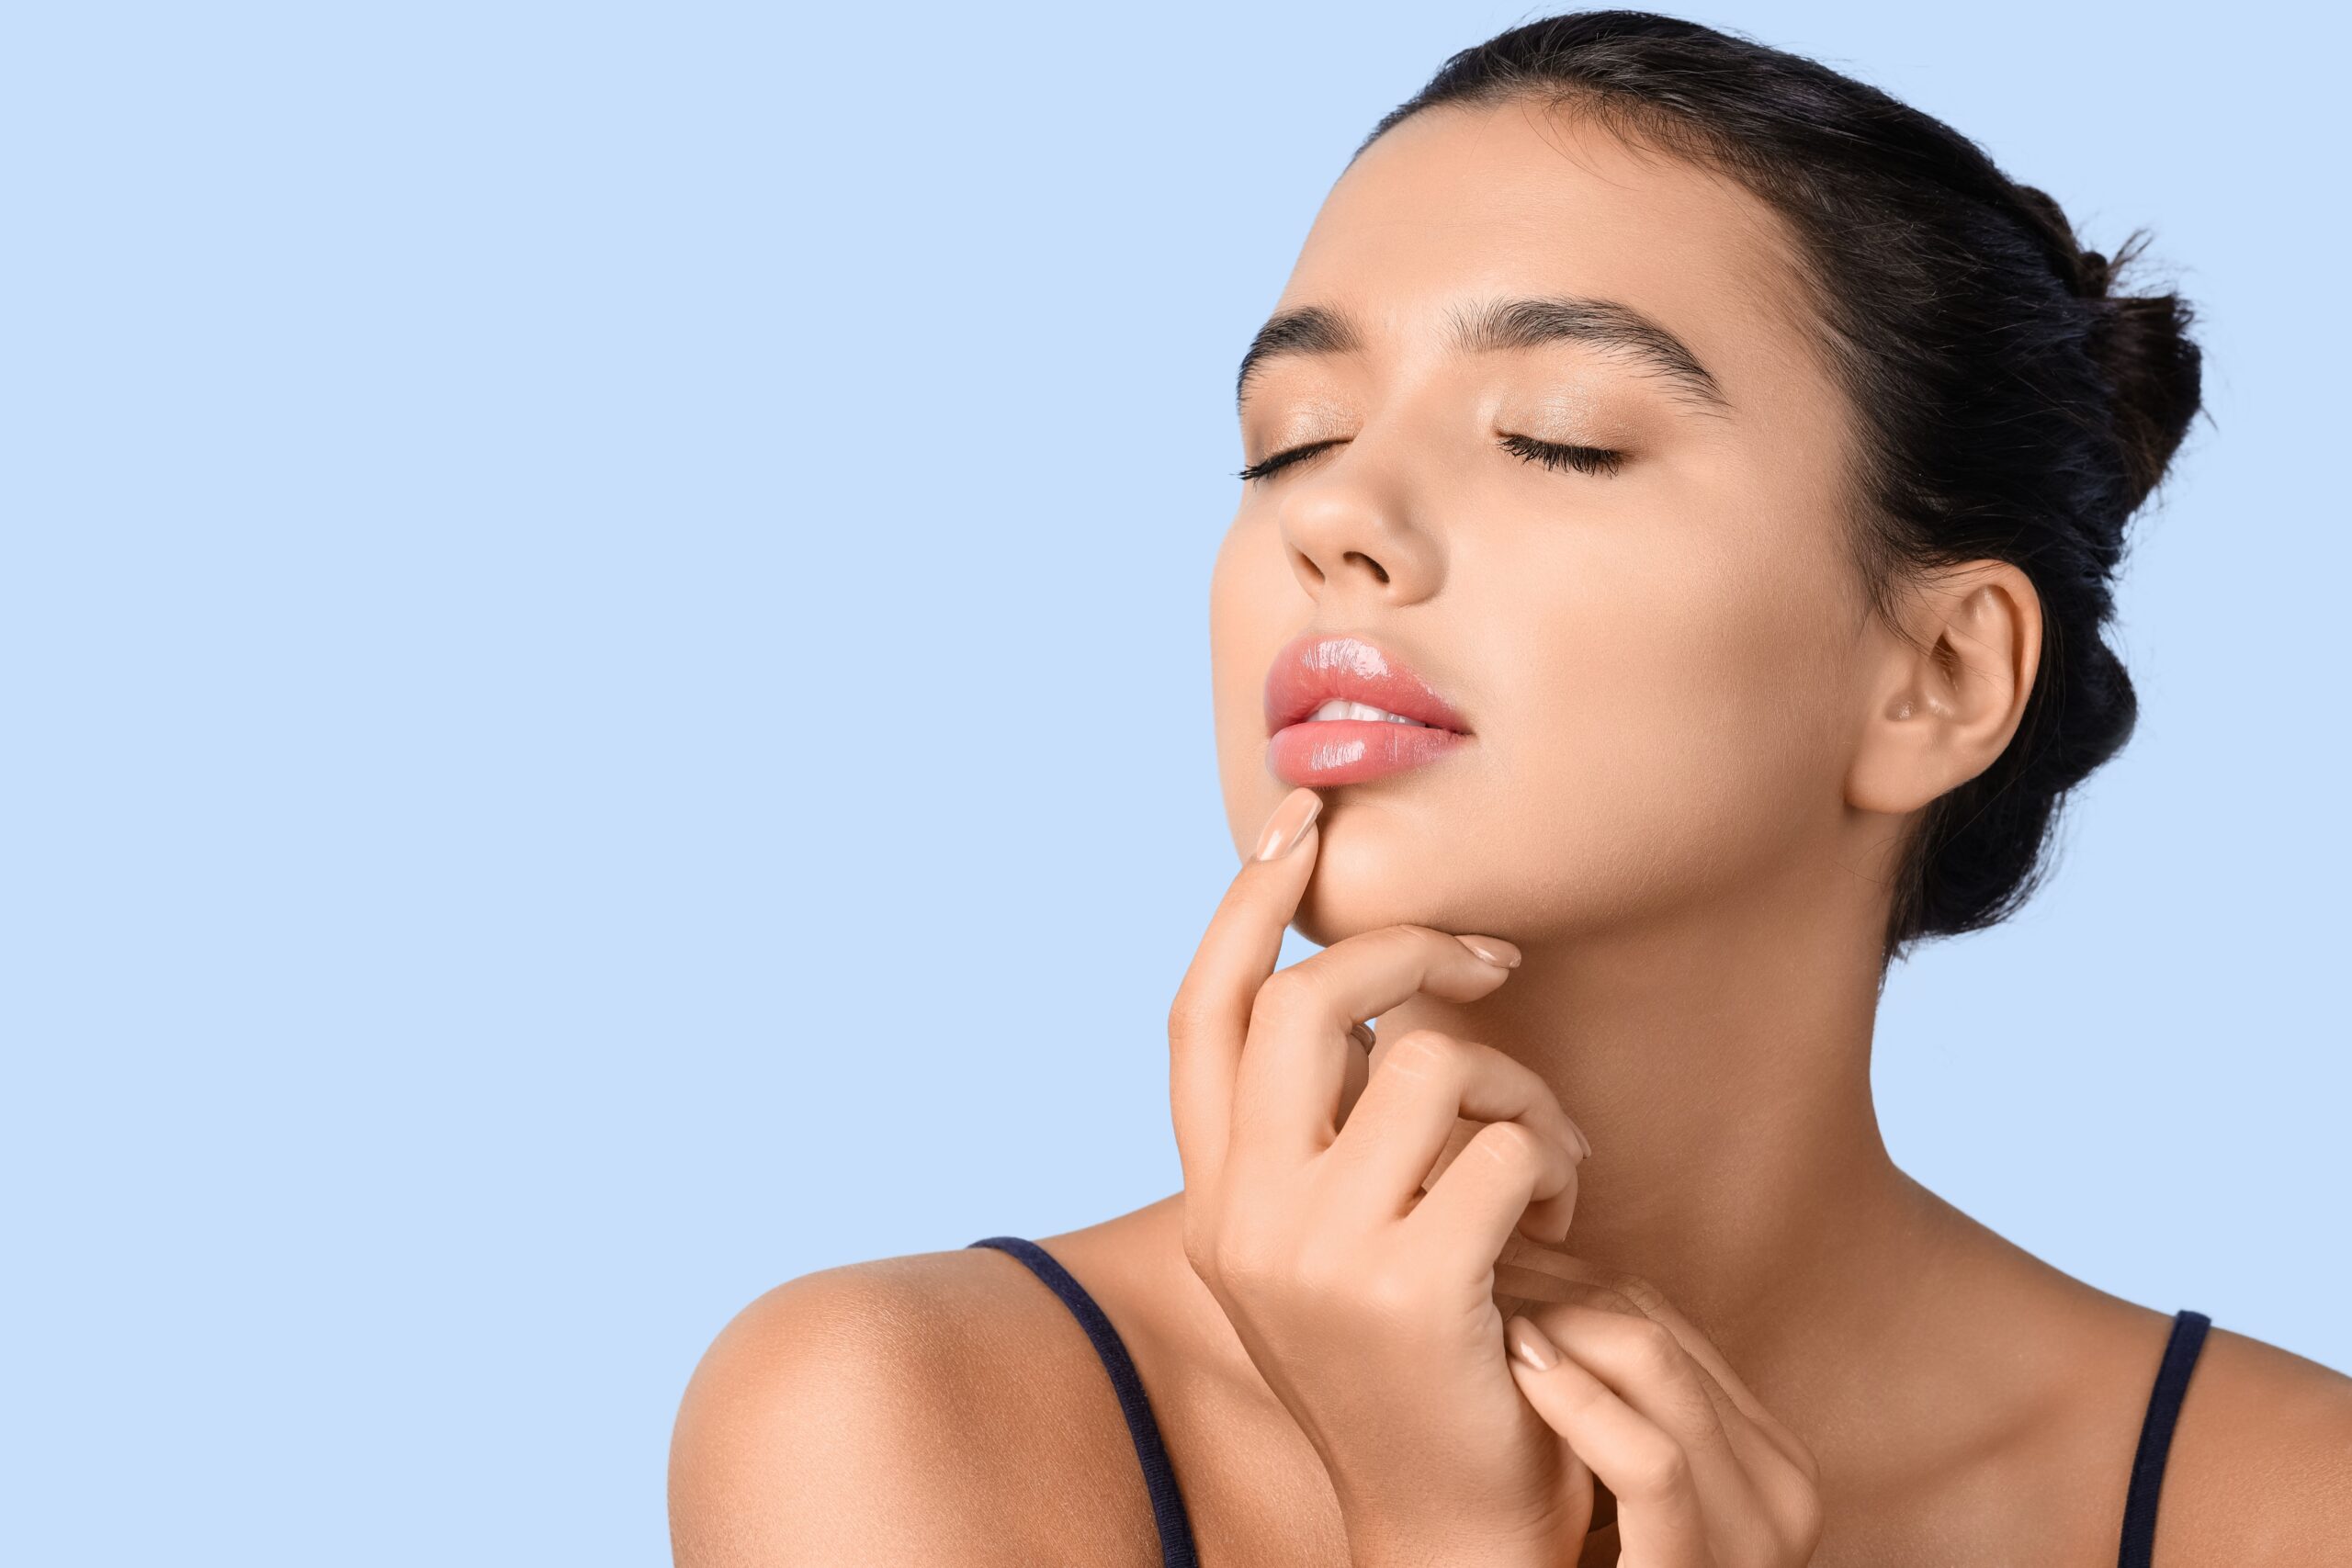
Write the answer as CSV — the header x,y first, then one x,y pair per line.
x,y
1339,708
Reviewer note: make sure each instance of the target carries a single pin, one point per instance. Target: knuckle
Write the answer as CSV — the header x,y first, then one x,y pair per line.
x,y
1510,1144
1596,1292
1287,993
1656,1353
1659,1470
1424,1054
1187,1016
1428,941
1323,1271
1691,1410
1247,1260
1639,1293
1405,938
1392,1294
1408,946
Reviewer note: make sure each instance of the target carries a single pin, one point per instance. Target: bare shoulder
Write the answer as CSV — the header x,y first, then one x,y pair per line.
x,y
2260,1468
913,1409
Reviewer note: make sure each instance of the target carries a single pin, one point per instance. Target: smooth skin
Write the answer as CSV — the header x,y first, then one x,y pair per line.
x,y
1359,1262
1692,754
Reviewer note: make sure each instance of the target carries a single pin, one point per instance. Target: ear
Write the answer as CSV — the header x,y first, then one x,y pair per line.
x,y
1949,690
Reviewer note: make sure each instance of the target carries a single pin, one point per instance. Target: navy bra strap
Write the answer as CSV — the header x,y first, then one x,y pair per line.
x,y
1159,1476
2156,1436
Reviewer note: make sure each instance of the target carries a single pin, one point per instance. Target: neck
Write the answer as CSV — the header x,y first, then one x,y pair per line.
x,y
1720,1062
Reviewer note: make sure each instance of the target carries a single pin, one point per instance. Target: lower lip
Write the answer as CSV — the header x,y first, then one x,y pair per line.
x,y
1348,751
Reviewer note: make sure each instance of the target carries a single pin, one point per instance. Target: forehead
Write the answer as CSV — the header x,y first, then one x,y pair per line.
x,y
1458,204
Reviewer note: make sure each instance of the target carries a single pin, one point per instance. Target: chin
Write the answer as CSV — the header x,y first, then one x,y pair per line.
x,y
1365,879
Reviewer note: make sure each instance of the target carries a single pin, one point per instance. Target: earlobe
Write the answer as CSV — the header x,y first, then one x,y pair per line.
x,y
1953,690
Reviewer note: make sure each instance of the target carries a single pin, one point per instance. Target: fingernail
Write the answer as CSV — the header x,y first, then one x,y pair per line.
x,y
1527,1342
1493,949
1580,1137
1365,1037
1288,825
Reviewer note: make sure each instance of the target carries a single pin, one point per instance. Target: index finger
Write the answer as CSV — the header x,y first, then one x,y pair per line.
x,y
1210,1017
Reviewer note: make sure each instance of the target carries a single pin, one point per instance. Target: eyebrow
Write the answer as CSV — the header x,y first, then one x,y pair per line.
x,y
1501,324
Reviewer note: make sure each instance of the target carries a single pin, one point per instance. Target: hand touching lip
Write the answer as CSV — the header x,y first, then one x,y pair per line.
x,y
1362,1289
1413,725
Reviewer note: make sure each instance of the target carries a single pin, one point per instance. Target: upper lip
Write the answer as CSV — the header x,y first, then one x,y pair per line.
x,y
1315,667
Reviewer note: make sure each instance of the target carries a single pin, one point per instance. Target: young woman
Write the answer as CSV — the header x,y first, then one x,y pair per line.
x,y
1683,489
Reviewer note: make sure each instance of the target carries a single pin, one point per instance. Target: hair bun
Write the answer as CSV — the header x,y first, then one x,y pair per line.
x,y
2087,273
2153,371
2140,342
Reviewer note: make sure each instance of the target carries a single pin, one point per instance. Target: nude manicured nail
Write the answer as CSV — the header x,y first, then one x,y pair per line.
x,y
1493,949
1528,1343
1580,1137
1289,823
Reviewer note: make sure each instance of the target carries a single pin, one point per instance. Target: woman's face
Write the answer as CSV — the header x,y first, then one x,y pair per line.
x,y
1659,669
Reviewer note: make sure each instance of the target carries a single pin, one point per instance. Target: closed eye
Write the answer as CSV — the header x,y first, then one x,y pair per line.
x,y
1599,460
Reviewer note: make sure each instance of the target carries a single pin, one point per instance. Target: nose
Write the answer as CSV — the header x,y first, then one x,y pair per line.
x,y
1347,531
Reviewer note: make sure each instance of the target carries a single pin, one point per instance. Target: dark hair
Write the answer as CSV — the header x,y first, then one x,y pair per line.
x,y
2011,406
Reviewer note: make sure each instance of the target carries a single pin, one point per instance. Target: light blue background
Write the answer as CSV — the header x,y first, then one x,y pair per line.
x,y
605,679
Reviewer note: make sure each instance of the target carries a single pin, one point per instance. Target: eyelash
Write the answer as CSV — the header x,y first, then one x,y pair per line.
x,y
1598,460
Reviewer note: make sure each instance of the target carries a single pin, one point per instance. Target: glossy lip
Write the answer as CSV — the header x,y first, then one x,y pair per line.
x,y
1315,667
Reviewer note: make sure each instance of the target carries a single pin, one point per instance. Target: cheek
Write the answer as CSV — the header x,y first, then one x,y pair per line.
x,y
1673,726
